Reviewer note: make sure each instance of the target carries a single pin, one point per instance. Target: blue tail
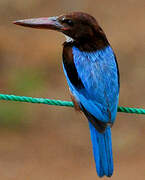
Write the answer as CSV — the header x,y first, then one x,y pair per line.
x,y
102,149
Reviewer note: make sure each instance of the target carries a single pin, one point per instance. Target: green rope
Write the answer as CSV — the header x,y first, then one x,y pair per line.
x,y
7,97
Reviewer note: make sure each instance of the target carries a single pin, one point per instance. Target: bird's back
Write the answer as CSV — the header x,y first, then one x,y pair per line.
x,y
94,80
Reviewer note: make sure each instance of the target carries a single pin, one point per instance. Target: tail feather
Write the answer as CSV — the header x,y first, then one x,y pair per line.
x,y
102,149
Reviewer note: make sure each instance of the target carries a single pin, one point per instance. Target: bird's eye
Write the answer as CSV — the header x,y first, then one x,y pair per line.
x,y
68,22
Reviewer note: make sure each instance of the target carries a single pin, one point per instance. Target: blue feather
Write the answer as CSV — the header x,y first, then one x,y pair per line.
x,y
102,150
98,72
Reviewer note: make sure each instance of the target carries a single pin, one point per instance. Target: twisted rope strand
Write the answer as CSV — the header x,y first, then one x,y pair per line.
x,y
54,102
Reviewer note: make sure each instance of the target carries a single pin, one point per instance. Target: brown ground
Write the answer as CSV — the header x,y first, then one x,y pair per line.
x,y
44,142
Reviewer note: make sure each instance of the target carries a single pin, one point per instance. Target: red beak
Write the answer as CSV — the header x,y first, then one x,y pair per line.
x,y
41,23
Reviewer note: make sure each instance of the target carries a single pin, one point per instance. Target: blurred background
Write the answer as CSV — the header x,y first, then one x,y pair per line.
x,y
48,142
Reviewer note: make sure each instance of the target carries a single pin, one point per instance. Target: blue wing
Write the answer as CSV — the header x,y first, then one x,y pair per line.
x,y
93,79
98,73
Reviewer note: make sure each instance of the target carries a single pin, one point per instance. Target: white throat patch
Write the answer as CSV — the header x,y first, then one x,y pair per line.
x,y
68,39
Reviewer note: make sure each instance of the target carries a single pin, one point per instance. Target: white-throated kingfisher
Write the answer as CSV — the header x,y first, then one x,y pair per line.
x,y
92,74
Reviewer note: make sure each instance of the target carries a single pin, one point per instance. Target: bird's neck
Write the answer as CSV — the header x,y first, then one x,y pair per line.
x,y
88,44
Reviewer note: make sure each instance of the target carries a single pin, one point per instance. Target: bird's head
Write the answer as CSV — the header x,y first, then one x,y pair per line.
x,y
77,26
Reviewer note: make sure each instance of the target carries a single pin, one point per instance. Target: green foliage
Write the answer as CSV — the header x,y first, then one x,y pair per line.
x,y
11,114
26,81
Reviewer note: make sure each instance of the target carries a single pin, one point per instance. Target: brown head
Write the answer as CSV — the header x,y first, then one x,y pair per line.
x,y
80,27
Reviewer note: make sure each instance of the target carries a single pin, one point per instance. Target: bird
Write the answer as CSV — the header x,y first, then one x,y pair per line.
x,y
91,70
